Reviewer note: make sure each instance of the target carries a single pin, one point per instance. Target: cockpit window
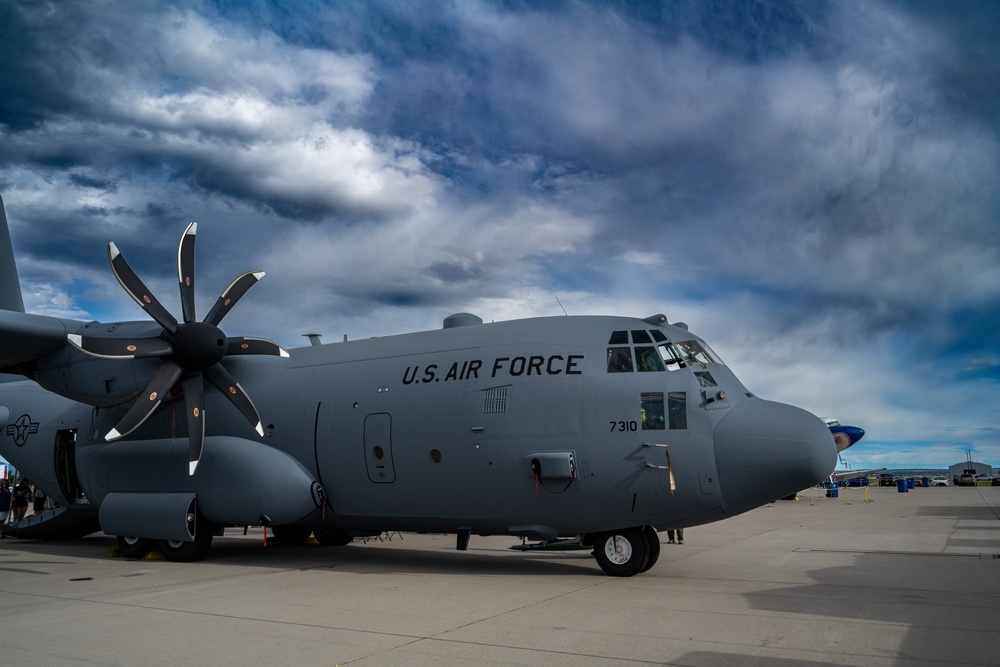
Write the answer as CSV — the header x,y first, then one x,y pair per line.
x,y
671,357
686,353
705,379
640,337
648,359
696,352
677,409
619,360
651,409
645,358
618,338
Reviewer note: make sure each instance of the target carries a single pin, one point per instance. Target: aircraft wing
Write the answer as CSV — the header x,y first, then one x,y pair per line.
x,y
841,475
25,337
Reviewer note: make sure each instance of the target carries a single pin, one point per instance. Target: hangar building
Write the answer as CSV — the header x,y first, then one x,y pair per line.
x,y
978,468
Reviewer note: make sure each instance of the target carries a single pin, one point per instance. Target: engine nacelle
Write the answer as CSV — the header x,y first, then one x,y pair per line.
x,y
237,482
99,382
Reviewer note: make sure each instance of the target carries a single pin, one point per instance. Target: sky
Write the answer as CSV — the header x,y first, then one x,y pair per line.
x,y
811,187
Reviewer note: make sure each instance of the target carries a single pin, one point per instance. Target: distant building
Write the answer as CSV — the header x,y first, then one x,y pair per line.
x,y
975,466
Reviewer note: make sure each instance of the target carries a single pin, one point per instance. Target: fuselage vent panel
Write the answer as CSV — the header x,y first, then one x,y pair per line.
x,y
494,400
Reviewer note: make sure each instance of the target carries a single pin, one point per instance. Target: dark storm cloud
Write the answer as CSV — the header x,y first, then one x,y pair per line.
x,y
85,181
162,93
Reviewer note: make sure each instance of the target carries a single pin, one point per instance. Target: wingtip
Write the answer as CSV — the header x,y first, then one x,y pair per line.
x,y
192,229
192,466
113,250
113,434
260,429
258,274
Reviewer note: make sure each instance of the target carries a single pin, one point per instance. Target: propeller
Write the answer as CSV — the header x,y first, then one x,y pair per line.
x,y
190,351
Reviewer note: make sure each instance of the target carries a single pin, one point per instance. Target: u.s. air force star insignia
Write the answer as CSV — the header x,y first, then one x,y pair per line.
x,y
21,429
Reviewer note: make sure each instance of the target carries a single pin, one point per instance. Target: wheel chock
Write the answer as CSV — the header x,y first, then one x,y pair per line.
x,y
153,555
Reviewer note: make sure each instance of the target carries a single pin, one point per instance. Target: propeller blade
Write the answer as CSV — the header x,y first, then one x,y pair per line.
x,y
146,405
232,390
194,404
185,271
232,295
131,283
250,345
121,348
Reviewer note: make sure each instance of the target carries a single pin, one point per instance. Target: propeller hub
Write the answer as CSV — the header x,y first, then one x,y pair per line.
x,y
198,345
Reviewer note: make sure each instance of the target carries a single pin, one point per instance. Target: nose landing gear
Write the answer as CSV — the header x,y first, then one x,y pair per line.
x,y
624,553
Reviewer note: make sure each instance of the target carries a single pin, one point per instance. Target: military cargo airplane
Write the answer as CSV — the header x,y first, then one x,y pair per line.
x,y
602,429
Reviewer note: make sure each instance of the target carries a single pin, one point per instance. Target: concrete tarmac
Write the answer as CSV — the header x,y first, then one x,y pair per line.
x,y
908,579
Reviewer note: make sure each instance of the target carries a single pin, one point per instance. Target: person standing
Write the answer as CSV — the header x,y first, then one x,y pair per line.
x,y
680,536
6,498
22,497
39,499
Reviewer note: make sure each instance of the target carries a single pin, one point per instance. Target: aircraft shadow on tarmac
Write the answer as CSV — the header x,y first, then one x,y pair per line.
x,y
358,557
950,600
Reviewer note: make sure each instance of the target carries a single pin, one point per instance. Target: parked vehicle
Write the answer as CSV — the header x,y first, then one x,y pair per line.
x,y
887,479
940,480
966,480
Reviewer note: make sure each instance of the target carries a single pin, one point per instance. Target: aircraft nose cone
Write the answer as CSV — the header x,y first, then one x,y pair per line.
x,y
766,450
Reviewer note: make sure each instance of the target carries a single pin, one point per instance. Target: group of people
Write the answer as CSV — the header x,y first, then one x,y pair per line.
x,y
14,502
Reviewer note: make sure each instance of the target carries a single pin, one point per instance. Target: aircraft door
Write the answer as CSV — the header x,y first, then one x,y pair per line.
x,y
378,448
65,465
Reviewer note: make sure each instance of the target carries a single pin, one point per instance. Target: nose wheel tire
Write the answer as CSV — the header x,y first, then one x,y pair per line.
x,y
622,553
652,547
135,547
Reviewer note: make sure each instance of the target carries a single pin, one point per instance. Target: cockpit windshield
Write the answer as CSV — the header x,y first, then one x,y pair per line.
x,y
650,351
687,353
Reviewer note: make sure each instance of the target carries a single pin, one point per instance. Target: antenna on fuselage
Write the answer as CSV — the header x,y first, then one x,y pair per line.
x,y
314,338
561,306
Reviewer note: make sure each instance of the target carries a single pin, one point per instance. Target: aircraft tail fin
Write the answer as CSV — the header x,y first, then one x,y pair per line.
x,y
10,286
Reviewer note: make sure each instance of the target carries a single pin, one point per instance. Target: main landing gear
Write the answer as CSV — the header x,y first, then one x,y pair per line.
x,y
173,550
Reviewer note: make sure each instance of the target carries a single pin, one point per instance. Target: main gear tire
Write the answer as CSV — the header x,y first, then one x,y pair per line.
x,y
135,547
189,552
